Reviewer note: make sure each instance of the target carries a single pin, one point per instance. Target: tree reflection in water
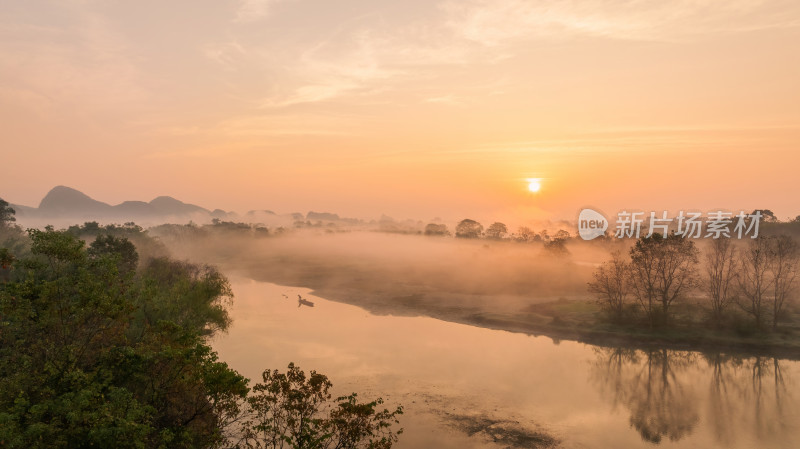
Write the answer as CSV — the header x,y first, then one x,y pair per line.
x,y
662,391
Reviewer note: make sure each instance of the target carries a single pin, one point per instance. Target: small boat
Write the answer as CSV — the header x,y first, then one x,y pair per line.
x,y
303,302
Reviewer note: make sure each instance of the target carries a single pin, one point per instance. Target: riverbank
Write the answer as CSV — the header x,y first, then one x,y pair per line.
x,y
576,319
516,288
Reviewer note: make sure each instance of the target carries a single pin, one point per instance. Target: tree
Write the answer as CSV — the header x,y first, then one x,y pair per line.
x,y
6,258
783,264
6,213
436,229
496,231
721,269
525,234
767,215
91,356
469,229
753,279
562,235
295,410
662,270
81,366
610,284
120,249
557,247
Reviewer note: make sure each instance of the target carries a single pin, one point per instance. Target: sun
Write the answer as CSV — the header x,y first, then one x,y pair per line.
x,y
534,185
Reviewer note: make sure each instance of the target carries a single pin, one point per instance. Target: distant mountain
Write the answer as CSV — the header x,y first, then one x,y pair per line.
x,y
64,206
65,200
67,203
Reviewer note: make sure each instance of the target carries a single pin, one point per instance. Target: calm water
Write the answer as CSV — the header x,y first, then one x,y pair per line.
x,y
467,387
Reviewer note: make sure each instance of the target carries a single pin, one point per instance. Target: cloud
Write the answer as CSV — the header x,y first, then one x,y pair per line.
x,y
496,22
252,10
81,63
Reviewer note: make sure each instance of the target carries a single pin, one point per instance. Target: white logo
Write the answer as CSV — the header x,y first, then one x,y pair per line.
x,y
591,224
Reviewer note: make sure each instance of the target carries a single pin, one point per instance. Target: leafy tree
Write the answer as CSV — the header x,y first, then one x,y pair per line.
x,y
80,366
662,270
436,229
562,234
557,247
496,231
767,215
191,295
10,237
146,246
6,213
469,229
6,258
119,248
94,353
294,410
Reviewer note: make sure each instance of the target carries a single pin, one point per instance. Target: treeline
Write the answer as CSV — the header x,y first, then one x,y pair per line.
x,y
471,229
730,279
100,347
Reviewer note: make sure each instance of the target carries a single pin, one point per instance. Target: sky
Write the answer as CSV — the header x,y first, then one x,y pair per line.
x,y
413,109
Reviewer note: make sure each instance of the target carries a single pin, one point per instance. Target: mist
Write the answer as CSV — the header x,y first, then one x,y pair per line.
x,y
401,274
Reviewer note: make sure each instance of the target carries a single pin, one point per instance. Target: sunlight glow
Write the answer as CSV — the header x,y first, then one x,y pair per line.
x,y
534,185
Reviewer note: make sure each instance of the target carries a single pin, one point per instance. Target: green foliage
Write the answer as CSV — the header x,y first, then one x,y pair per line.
x,y
80,366
146,245
97,353
7,213
193,296
294,410
119,249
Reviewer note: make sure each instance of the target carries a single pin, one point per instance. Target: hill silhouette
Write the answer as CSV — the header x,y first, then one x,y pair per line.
x,y
63,202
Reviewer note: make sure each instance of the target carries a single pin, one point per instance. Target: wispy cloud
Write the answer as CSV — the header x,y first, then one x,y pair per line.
x,y
252,10
496,22
82,64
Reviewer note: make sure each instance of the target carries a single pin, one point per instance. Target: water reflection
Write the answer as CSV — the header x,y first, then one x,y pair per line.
x,y
659,389
454,379
648,383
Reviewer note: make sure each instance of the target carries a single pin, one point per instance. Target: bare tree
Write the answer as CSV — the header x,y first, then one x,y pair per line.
x,y
754,280
720,275
610,284
662,270
783,265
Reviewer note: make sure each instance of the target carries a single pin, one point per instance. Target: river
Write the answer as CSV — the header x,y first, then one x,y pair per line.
x,y
469,387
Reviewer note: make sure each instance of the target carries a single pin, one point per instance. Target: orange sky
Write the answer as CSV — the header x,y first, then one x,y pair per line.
x,y
413,109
